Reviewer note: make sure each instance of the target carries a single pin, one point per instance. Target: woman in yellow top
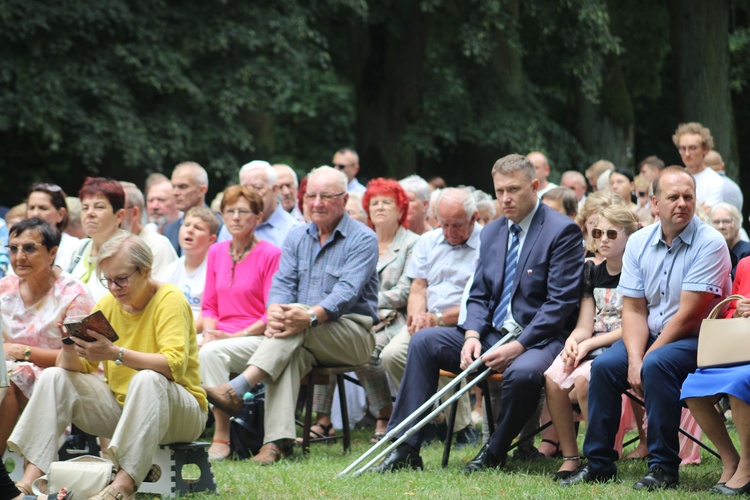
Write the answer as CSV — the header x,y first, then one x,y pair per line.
x,y
152,394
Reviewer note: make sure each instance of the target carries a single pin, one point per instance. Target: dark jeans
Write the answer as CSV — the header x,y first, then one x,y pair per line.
x,y
662,374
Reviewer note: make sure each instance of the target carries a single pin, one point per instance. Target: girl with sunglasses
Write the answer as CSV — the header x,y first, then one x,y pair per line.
x,y
599,326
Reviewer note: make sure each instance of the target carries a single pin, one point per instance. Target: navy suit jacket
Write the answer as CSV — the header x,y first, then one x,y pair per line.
x,y
547,285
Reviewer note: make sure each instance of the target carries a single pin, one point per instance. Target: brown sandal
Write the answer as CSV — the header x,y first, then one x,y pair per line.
x,y
24,488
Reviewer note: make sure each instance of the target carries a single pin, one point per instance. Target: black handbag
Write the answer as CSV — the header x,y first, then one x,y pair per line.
x,y
246,430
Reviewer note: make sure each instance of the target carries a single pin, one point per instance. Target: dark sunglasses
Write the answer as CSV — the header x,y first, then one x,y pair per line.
x,y
597,233
339,166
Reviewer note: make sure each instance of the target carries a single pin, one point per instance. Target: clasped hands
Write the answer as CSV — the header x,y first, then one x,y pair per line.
x,y
420,321
285,320
574,352
498,360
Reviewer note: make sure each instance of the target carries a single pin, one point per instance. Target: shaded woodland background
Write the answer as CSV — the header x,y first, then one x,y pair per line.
x,y
126,88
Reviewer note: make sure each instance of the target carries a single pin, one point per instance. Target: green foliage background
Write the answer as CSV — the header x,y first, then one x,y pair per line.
x,y
123,88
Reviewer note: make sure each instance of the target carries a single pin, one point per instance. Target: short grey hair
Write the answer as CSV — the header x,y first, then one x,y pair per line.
x,y
339,176
484,201
460,195
416,185
133,196
733,212
508,165
130,246
574,174
266,167
198,173
289,169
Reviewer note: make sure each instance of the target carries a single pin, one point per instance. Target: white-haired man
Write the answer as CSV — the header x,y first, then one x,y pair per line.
x,y
261,176
189,187
321,308
418,192
288,188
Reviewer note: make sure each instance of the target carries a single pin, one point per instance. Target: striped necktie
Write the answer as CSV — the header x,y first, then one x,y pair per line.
x,y
511,258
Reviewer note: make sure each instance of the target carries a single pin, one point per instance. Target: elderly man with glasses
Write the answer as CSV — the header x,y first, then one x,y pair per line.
x,y
321,308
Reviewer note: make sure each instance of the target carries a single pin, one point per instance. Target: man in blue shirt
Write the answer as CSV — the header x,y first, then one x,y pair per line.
x,y
322,305
277,222
672,273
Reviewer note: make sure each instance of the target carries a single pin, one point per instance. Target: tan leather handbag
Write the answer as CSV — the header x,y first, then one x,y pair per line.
x,y
724,342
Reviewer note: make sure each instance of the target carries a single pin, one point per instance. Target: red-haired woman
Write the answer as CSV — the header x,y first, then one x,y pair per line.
x,y
386,205
102,211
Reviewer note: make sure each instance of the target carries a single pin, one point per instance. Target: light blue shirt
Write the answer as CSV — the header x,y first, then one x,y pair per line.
x,y
341,276
698,261
447,268
355,187
274,230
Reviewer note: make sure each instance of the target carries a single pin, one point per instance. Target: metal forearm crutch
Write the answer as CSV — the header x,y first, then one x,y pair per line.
x,y
426,406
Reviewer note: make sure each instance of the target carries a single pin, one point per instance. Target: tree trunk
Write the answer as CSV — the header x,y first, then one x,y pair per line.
x,y
699,32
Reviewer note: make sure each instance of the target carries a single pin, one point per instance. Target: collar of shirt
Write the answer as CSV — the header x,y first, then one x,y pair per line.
x,y
526,222
686,236
342,228
275,219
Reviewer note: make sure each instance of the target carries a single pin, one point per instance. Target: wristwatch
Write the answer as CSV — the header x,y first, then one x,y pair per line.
x,y
440,320
27,354
313,318
118,361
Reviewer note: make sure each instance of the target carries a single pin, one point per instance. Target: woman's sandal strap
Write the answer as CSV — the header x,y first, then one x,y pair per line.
x,y
219,441
24,488
577,457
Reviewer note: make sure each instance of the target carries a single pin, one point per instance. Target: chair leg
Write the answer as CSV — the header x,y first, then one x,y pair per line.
x,y
308,415
449,431
488,406
344,412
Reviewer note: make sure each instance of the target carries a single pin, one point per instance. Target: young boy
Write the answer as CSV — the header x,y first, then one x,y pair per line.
x,y
197,233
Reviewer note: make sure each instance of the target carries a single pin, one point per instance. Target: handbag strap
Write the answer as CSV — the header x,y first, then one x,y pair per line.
x,y
717,308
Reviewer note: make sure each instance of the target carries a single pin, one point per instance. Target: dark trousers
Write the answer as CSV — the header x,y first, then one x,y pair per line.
x,y
662,375
433,349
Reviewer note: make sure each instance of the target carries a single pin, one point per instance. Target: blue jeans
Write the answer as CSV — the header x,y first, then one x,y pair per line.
x,y
662,374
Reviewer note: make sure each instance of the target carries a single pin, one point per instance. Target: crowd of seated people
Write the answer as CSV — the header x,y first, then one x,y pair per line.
x,y
326,270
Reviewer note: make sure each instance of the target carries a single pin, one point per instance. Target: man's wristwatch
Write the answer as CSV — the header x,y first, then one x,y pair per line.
x,y
27,354
440,320
313,318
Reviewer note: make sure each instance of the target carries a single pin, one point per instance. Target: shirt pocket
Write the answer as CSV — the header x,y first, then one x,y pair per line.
x,y
331,277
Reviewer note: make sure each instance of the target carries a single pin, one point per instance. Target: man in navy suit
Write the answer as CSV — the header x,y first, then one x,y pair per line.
x,y
529,272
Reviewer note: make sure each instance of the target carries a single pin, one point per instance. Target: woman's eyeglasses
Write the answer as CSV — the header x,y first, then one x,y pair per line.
x,y
26,248
120,281
597,233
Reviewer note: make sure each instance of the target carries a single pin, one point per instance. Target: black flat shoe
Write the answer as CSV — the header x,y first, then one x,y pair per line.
x,y
723,489
585,474
484,460
565,474
657,479
402,457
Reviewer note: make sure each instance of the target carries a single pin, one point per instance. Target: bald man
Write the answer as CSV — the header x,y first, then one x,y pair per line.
x,y
541,164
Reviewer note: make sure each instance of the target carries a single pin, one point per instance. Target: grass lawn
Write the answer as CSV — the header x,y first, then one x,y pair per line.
x,y
312,476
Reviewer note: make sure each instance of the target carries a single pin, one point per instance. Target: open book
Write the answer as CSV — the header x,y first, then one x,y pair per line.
x,y
95,321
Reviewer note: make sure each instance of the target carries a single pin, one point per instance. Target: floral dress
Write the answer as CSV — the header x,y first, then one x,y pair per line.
x,y
602,286
36,325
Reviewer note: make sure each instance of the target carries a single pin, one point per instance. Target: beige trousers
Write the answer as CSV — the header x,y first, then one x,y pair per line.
x,y
346,341
394,362
221,357
156,411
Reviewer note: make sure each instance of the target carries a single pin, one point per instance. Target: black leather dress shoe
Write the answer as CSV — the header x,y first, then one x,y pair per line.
x,y
401,458
657,479
483,460
585,474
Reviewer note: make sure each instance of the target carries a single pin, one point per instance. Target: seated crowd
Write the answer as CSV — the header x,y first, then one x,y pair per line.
x,y
604,290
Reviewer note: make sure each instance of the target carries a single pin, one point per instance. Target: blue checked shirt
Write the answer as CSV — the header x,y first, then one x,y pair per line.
x,y
341,277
